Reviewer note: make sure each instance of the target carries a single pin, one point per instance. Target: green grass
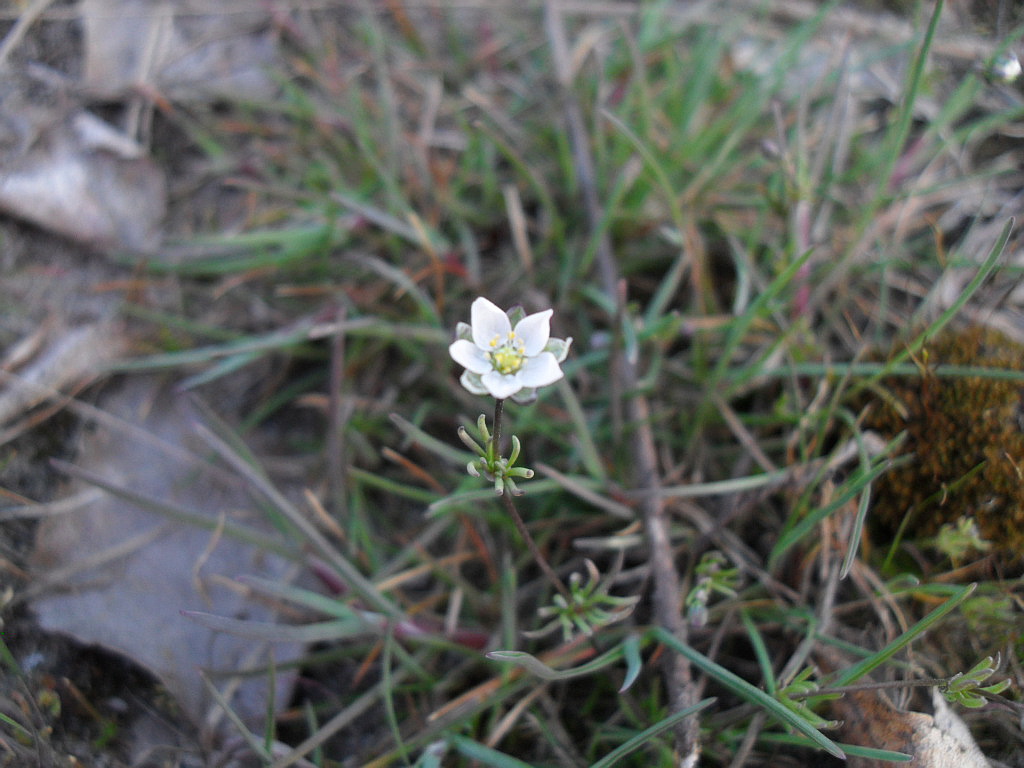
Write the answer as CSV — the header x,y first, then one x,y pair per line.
x,y
768,236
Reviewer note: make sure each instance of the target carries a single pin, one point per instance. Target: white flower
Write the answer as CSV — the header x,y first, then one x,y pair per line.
x,y
1005,69
506,361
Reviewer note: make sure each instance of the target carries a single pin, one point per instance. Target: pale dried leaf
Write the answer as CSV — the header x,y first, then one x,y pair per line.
x,y
78,177
939,741
45,364
120,576
184,49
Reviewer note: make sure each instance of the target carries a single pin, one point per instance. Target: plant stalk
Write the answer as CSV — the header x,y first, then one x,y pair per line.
x,y
494,452
510,507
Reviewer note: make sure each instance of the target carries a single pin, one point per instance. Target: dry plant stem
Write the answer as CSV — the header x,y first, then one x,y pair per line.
x,y
510,507
667,591
337,462
749,738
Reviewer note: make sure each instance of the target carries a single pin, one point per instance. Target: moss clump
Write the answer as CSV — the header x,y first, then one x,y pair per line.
x,y
965,437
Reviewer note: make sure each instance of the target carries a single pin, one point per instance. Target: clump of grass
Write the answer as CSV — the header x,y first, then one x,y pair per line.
x,y
733,245
731,255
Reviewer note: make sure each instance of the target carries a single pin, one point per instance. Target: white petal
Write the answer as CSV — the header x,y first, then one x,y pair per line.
x,y
501,385
540,371
534,331
488,321
469,356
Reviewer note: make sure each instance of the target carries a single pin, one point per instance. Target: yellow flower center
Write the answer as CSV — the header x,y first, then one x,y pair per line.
x,y
507,355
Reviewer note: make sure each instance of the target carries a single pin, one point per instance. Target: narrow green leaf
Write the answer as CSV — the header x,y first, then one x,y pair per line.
x,y
875,371
307,598
875,660
224,367
284,633
391,486
589,453
18,727
853,486
748,692
225,255
634,662
424,439
760,652
535,666
254,742
872,753
851,750
635,742
285,338
726,487
477,751
898,138
986,269
472,499
739,326
9,661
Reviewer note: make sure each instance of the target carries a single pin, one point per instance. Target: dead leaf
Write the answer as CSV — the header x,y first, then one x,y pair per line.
x,y
941,740
119,576
185,50
51,360
77,176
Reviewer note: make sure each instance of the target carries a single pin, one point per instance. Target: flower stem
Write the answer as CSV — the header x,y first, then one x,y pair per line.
x,y
495,447
510,507
494,450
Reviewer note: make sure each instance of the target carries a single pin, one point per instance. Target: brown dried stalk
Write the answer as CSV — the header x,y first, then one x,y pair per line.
x,y
667,592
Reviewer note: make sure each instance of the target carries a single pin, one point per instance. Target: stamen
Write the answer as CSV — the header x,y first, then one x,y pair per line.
x,y
508,359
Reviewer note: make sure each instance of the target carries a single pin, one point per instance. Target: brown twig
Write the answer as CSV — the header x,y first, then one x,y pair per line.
x,y
667,591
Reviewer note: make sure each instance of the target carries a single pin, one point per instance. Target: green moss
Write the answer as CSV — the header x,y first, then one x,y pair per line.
x,y
964,434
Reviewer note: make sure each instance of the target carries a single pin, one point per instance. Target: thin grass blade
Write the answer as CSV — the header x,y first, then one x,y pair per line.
x,y
876,660
636,742
748,692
